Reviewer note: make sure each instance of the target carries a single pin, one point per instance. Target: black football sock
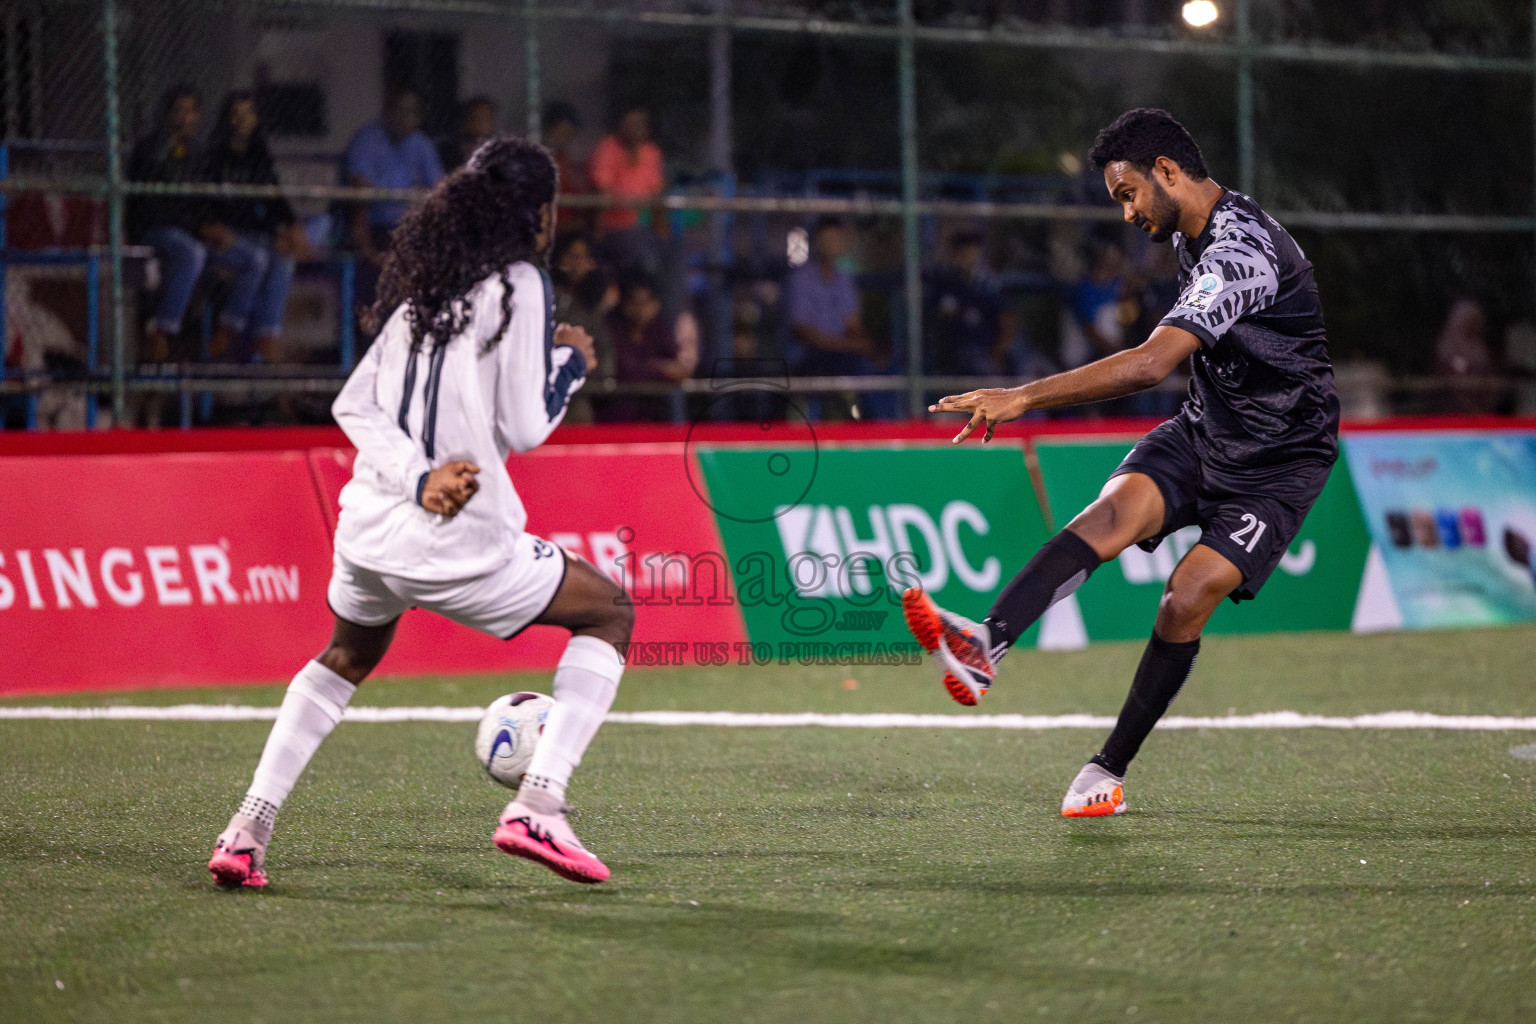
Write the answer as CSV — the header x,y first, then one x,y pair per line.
x,y
1163,669
1057,569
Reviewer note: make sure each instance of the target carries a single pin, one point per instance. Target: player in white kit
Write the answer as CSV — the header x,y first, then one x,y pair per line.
x,y
469,365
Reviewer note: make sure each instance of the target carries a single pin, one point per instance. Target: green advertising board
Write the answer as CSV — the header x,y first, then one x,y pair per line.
x,y
1315,586
822,540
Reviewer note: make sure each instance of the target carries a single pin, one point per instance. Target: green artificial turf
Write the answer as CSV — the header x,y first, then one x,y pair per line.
x,y
809,874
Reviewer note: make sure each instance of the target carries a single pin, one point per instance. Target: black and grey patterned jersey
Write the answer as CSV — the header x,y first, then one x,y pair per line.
x,y
1262,388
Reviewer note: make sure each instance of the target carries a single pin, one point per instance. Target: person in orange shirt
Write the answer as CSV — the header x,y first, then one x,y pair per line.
x,y
627,165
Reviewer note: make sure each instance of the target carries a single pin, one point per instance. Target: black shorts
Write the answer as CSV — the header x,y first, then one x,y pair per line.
x,y
1249,516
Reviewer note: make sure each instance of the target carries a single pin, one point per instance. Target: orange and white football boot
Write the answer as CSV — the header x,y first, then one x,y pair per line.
x,y
964,647
1094,794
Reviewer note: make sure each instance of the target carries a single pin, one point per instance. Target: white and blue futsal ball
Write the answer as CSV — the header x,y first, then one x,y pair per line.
x,y
509,732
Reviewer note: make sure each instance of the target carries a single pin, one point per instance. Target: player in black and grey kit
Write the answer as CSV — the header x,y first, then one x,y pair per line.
x,y
1244,460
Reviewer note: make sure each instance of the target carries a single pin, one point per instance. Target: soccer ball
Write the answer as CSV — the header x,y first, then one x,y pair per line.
x,y
508,732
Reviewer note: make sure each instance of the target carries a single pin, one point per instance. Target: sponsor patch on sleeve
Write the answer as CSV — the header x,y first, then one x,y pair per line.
x,y
1202,293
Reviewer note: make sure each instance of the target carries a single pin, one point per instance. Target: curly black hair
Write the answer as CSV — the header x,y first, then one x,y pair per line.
x,y
1142,135
476,222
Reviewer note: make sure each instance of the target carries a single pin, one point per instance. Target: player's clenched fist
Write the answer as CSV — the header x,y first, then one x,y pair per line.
x,y
987,407
580,340
449,487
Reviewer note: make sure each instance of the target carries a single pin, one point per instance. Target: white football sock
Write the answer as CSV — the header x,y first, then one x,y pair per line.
x,y
312,707
586,681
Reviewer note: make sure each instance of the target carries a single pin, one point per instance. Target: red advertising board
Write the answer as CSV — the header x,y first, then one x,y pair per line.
x,y
178,569
158,570
628,509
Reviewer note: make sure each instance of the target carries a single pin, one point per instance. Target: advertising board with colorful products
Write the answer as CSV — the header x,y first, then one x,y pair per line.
x,y
1453,516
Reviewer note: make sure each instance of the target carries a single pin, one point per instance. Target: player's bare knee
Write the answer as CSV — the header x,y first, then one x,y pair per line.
x,y
1177,624
1186,606
349,663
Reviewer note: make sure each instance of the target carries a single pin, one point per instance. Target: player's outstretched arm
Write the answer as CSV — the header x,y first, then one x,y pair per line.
x,y
1116,376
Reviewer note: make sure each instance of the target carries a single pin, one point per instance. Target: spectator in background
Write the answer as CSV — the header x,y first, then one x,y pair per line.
x,y
1462,351
558,129
1156,290
826,319
1097,325
824,308
255,240
970,331
627,165
584,296
648,349
391,152
170,225
478,118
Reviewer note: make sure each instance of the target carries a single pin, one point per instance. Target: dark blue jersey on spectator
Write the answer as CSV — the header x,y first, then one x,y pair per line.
x,y
964,314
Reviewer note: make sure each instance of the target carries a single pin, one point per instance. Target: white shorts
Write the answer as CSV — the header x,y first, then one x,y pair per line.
x,y
502,602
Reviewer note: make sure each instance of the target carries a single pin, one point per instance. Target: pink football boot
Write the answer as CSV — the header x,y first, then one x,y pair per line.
x,y
240,854
547,839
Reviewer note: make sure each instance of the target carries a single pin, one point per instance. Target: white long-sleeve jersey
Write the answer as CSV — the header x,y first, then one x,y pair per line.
x,y
408,413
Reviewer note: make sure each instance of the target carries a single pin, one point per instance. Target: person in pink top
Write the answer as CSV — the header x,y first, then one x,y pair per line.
x,y
627,165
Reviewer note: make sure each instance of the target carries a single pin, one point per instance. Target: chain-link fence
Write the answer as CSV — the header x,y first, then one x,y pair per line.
x,y
944,141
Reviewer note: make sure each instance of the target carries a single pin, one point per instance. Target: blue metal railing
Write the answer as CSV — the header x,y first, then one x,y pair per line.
x,y
91,258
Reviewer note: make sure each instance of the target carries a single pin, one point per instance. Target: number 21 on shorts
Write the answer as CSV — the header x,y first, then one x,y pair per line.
x,y
1251,524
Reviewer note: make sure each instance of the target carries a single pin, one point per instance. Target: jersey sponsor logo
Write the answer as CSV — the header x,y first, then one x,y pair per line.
x,y
1204,292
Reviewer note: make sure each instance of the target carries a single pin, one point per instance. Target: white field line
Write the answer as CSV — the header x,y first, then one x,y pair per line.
x,y
1267,720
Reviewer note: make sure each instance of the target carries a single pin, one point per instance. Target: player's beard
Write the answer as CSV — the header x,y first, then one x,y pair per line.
x,y
1165,213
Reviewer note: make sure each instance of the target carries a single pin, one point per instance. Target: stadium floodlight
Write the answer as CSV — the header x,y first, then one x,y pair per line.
x,y
1200,13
